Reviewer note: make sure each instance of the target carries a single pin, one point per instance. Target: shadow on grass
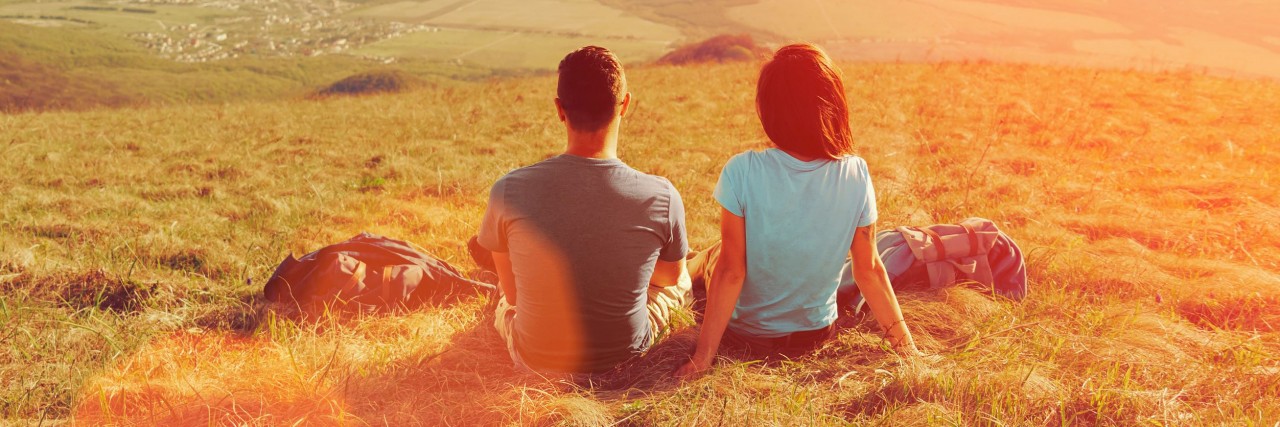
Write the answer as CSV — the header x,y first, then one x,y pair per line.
x,y
438,365
473,382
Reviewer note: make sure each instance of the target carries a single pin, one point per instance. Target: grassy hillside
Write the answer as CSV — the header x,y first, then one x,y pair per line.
x,y
60,68
134,244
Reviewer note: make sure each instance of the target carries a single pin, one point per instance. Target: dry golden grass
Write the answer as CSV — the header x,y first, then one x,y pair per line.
x,y
134,244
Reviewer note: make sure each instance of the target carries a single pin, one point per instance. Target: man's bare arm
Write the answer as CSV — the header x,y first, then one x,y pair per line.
x,y
506,277
669,273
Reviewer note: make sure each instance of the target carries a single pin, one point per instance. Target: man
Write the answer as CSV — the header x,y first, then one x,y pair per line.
x,y
589,252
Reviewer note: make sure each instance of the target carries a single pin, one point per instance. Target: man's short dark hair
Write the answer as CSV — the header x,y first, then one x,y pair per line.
x,y
591,87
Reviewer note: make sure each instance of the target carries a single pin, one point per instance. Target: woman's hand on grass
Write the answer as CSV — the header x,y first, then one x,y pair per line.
x,y
693,369
908,350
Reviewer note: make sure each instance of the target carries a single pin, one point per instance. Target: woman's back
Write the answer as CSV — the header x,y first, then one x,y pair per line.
x,y
800,220
787,225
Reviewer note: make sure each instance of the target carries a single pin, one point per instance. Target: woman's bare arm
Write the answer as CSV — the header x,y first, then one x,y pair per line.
x,y
873,282
722,293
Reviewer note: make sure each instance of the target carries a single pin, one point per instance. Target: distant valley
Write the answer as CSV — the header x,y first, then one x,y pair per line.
x,y
1234,37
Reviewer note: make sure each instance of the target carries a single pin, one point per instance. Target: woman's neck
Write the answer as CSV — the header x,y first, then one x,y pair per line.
x,y
797,156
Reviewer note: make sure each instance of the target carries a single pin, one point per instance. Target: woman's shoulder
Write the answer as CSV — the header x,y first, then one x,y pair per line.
x,y
747,155
853,159
764,156
773,158
743,159
853,165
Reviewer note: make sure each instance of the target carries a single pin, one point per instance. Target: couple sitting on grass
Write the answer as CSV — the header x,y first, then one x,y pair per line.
x,y
591,254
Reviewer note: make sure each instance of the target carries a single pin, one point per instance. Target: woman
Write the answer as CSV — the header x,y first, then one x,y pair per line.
x,y
790,216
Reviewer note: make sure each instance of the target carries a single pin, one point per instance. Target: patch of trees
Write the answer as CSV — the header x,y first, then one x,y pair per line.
x,y
371,82
722,48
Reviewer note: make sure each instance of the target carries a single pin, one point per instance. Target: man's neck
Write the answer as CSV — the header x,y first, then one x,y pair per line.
x,y
601,144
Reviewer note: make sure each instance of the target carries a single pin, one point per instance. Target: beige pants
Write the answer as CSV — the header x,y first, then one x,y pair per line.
x,y
662,302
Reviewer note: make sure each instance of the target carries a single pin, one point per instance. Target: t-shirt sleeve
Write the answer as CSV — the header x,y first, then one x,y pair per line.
x,y
729,188
677,246
493,228
869,214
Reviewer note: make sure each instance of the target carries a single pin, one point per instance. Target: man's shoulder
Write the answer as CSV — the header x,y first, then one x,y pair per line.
x,y
658,181
539,170
554,169
641,179
657,186
534,168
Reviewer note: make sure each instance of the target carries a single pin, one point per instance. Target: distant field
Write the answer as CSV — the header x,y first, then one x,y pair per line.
x,y
1229,38
49,23
498,34
410,10
516,33
504,49
862,19
697,20
118,22
585,17
66,68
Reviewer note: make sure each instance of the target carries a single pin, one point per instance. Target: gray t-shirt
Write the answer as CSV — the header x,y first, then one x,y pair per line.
x,y
583,236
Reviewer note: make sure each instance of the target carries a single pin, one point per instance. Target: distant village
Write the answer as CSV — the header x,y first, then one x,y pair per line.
x,y
267,28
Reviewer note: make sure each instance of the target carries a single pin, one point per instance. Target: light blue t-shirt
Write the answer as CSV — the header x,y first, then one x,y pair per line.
x,y
800,218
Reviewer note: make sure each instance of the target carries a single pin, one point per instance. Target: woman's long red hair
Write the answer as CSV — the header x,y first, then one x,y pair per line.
x,y
801,102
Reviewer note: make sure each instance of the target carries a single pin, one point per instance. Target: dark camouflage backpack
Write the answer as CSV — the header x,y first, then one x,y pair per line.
x,y
367,272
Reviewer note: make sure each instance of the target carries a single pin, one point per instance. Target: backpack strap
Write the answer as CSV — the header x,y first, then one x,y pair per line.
x,y
937,241
387,296
973,239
